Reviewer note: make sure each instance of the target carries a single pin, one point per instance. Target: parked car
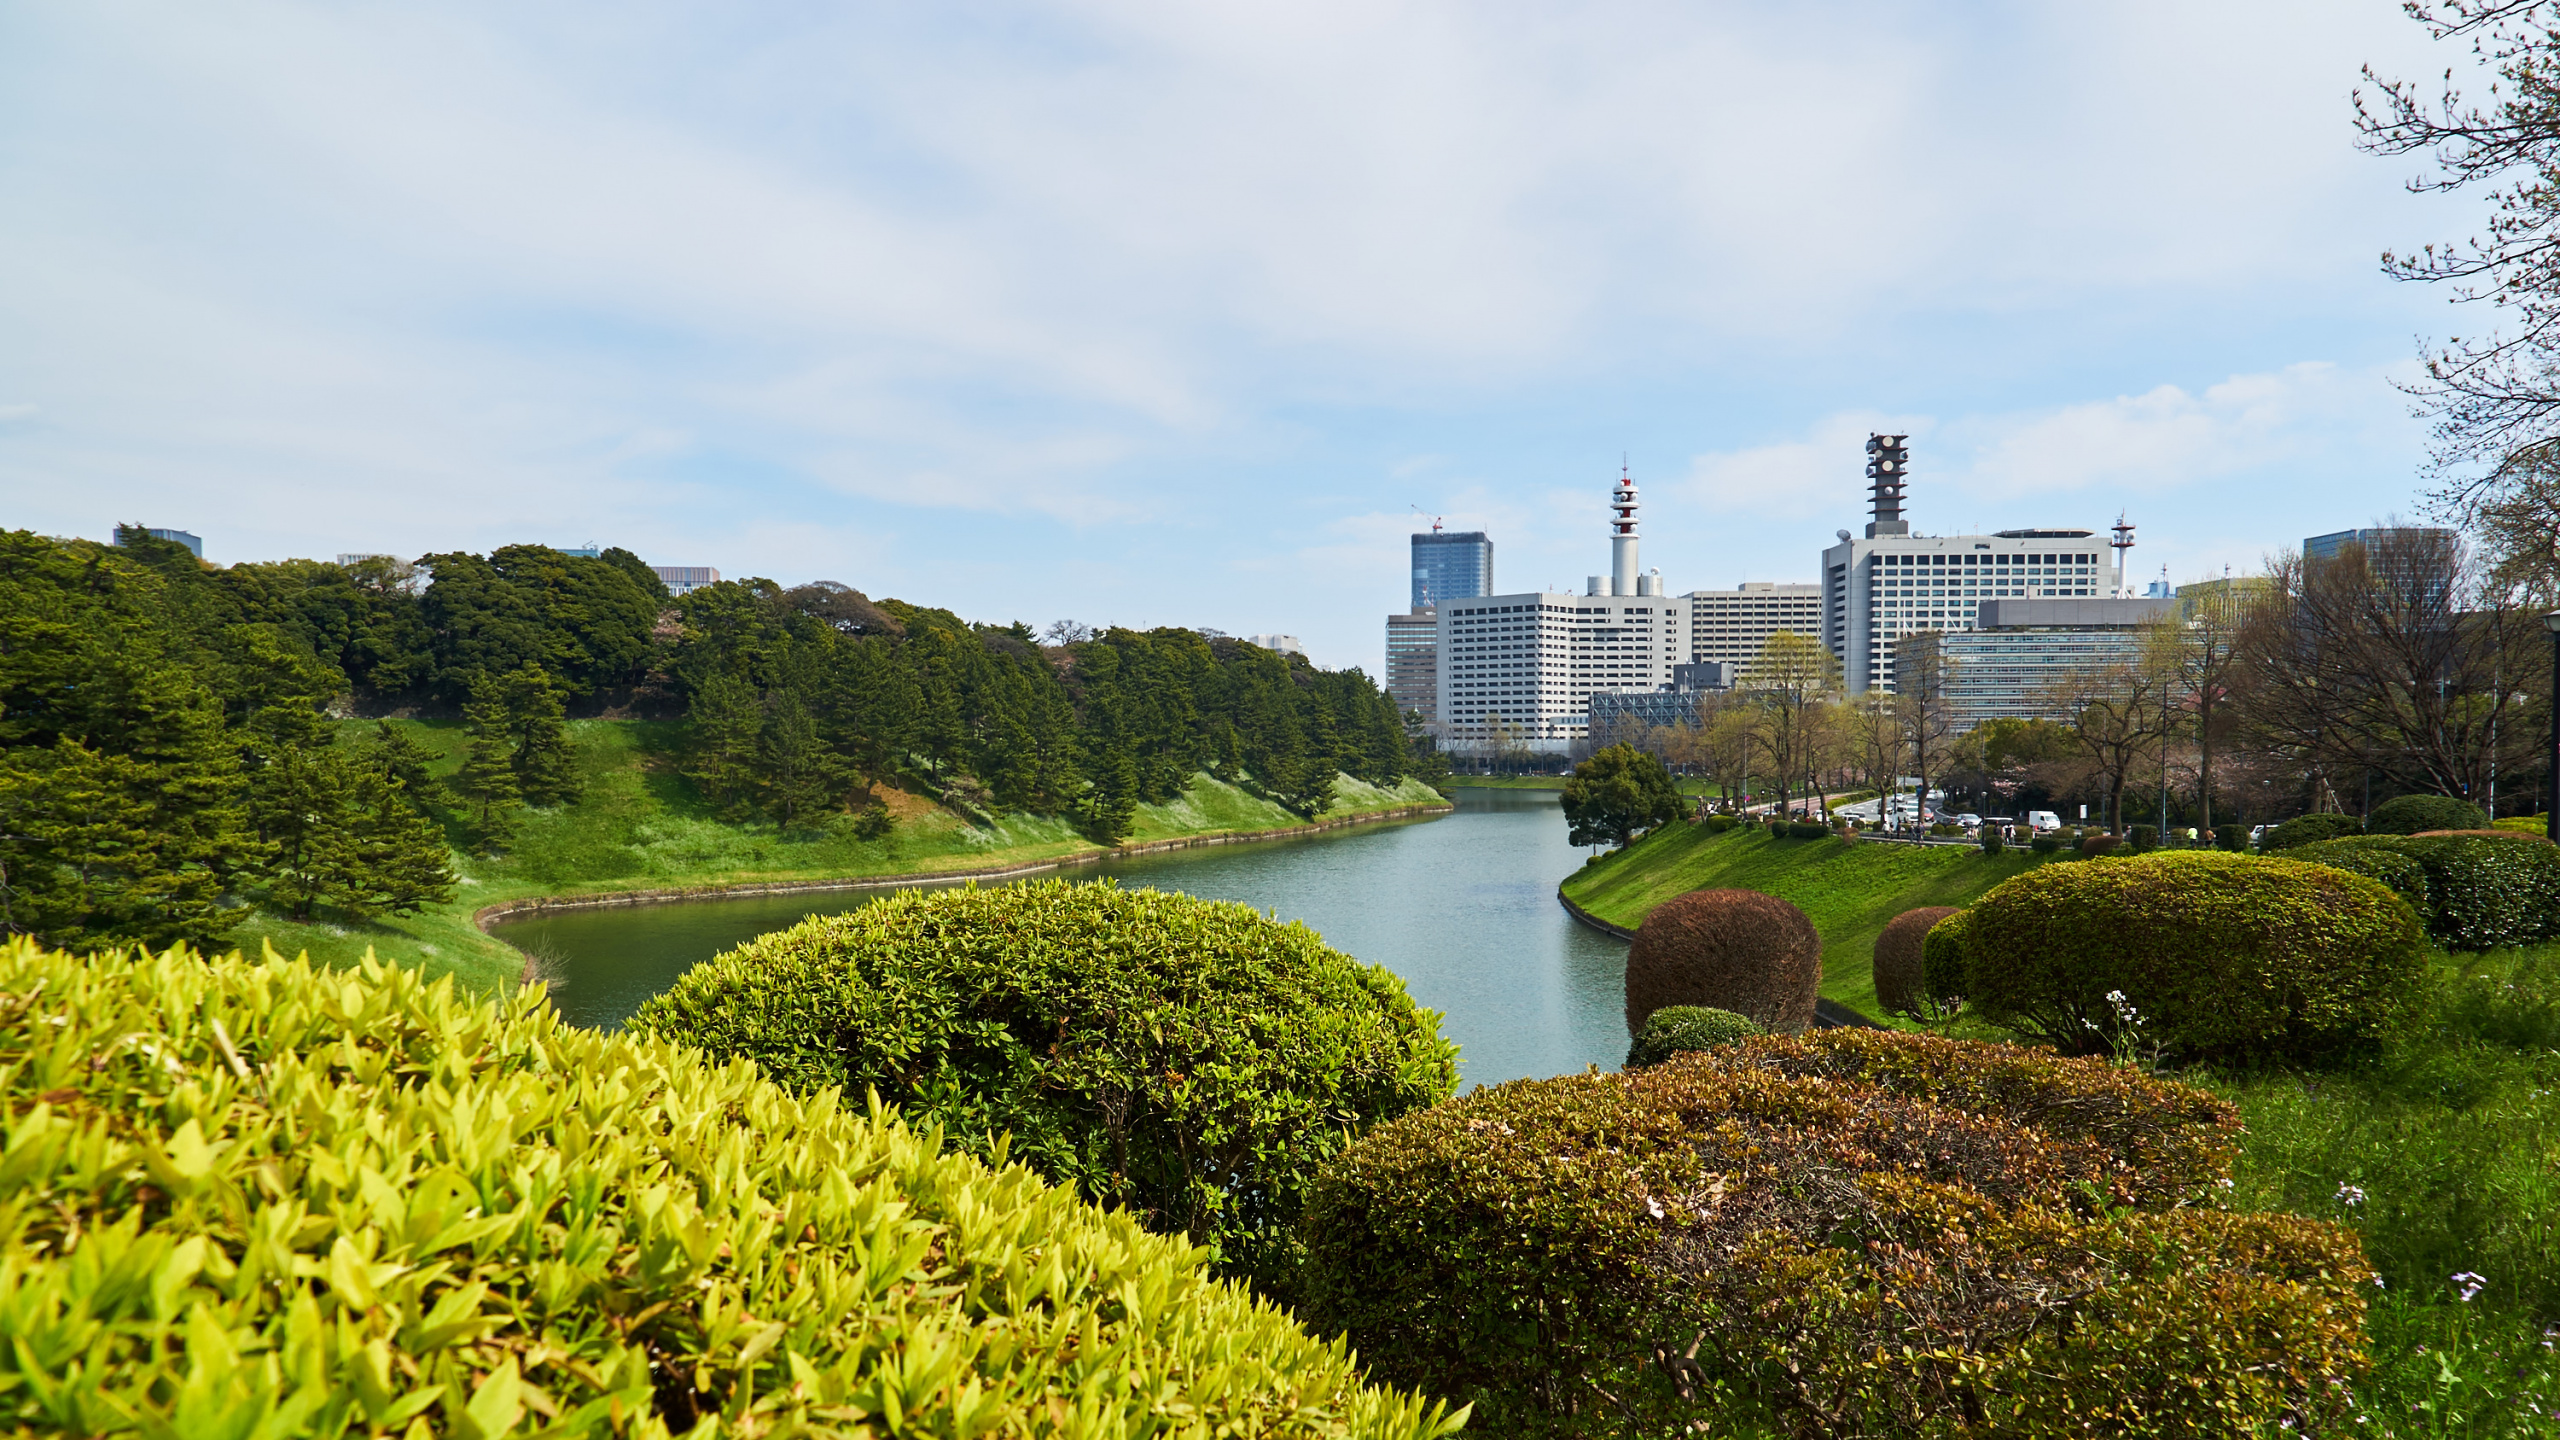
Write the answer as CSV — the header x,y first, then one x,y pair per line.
x,y
2043,822
1969,820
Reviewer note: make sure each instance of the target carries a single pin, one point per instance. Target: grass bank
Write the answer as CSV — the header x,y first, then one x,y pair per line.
x,y
1848,890
642,825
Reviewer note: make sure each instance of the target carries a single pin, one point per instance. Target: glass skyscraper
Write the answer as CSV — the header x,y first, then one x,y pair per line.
x,y
1451,567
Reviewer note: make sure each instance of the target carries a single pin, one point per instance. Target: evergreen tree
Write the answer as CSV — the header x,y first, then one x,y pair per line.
x,y
796,774
380,856
89,860
401,759
488,778
298,798
727,717
1110,808
1616,793
546,768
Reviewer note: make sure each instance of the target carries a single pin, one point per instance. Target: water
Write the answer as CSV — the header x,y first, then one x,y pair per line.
x,y
1462,906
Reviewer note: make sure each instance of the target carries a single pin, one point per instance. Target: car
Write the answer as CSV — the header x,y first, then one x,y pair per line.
x,y
1969,820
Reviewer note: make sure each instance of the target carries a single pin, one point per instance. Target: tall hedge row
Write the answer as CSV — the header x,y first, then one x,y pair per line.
x,y
1193,1060
248,1199
2474,892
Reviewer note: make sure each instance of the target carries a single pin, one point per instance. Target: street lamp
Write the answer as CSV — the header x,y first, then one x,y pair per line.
x,y
2551,756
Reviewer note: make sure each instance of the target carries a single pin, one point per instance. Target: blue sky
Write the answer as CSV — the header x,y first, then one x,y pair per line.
x,y
1170,313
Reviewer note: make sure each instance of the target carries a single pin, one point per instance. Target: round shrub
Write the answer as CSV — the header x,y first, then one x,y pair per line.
x,y
2474,891
1192,1060
251,1198
1900,973
2141,839
2045,844
1852,1232
2097,843
1718,824
1678,1029
1942,963
1738,950
2222,955
2309,829
2410,814
1807,830
1990,840
2231,837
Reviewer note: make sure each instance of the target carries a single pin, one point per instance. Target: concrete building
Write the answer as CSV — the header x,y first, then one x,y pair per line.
x,y
2231,590
1522,668
2004,665
1731,625
193,542
1892,583
1613,714
681,578
1413,662
2326,547
1285,644
1451,566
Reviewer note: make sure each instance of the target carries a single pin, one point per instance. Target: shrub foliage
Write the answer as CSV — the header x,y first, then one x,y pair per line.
x,y
2307,829
251,1199
1679,1029
1851,1232
1738,950
2220,954
1900,974
2410,814
1190,1059
2474,892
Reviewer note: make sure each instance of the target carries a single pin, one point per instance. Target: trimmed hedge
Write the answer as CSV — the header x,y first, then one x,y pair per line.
x,y
2097,843
2410,814
1678,1029
2474,892
1193,1060
1854,1232
2142,839
2222,955
1738,950
1718,824
255,1199
1899,968
1942,963
2309,829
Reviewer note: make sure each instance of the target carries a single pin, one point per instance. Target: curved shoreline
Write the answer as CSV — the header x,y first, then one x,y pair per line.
x,y
1827,1013
487,915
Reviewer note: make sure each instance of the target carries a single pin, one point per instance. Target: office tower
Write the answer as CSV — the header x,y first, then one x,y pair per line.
x,y
1451,566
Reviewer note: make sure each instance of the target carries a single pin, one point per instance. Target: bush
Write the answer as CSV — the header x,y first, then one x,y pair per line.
x,y
1738,950
2231,837
2222,955
2045,844
1856,1232
1807,830
2098,843
251,1198
2410,814
1678,1029
2308,829
1190,1059
1942,963
1718,824
1900,970
1946,827
2141,839
1990,840
2474,892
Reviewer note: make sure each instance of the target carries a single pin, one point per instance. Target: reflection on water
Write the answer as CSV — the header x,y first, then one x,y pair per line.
x,y
1463,907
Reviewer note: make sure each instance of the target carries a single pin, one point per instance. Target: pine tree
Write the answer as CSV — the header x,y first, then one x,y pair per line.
x,y
404,761
297,798
381,856
546,768
1111,806
796,772
86,862
727,714
488,778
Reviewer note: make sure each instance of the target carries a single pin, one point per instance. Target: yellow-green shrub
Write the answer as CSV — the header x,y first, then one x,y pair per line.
x,y
1849,1232
2474,891
1193,1060
250,1199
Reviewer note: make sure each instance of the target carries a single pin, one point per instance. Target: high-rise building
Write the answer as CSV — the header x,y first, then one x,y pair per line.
x,y
1893,583
1413,663
1285,644
2326,547
193,542
1451,566
1521,669
1732,625
682,578
2007,663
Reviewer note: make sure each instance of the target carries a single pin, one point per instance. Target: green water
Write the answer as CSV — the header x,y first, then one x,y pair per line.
x,y
1462,906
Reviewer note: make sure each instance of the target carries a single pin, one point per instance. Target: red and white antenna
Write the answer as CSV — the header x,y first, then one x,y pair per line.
x,y
2123,542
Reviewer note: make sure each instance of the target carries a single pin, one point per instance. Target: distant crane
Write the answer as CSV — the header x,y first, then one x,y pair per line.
x,y
1427,515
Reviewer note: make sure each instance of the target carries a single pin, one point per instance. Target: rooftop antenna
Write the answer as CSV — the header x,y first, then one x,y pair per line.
x,y
2123,542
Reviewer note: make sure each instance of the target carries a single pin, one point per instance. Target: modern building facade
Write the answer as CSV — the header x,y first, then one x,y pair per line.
x,y
1285,644
1731,625
2007,663
1413,663
681,578
1521,670
1892,583
2327,547
193,542
1628,713
1451,567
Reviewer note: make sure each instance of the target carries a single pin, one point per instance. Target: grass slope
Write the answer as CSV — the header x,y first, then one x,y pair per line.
x,y
1849,891
642,826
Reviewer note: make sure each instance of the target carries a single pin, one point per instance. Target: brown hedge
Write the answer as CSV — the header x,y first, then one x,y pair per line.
x,y
1738,950
1899,980
1853,1232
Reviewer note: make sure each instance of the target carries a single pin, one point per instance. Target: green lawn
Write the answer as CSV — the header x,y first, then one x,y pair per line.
x,y
642,826
1849,890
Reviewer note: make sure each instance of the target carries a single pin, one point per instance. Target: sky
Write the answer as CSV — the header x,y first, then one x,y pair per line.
x,y
1182,313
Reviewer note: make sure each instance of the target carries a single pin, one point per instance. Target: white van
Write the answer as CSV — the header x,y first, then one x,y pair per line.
x,y
2042,821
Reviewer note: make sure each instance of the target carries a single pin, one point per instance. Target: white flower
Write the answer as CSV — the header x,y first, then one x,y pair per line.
x,y
2471,1284
2350,1195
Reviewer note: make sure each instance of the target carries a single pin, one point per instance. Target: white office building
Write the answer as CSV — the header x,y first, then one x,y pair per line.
x,y
1877,589
1522,668
1732,625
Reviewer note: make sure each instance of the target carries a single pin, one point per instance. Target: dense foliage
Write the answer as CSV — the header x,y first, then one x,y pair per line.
x,y
1901,979
2472,891
1847,1233
2410,814
1679,1029
1192,1060
255,1199
1617,793
2309,829
1738,950
2195,952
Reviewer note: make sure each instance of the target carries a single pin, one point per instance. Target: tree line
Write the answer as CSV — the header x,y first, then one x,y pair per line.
x,y
173,752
